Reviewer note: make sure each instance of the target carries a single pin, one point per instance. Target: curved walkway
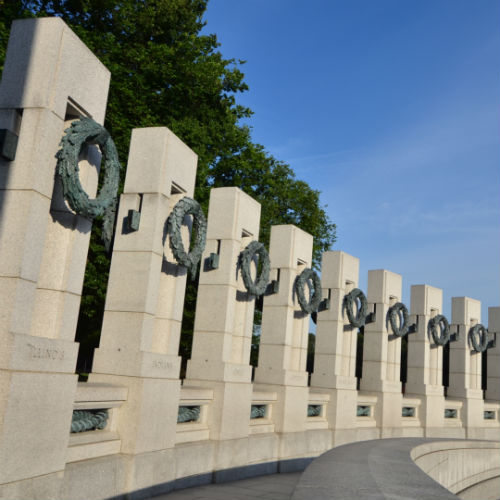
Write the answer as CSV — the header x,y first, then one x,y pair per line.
x,y
374,470
365,470
270,487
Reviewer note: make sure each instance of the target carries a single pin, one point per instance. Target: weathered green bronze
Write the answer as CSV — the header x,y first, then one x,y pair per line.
x,y
363,411
188,414
8,144
80,134
324,305
402,327
354,295
213,262
478,337
311,305
89,420
489,415
133,220
408,411
273,287
444,329
314,410
184,207
259,286
258,411
450,413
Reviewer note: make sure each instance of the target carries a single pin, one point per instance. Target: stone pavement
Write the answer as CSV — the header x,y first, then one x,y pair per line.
x,y
370,470
269,487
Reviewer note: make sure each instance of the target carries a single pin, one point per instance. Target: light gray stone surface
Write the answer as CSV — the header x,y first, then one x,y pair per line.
x,y
466,366
462,466
49,78
335,348
270,487
493,369
374,470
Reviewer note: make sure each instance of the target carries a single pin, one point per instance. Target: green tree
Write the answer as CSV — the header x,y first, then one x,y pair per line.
x,y
166,72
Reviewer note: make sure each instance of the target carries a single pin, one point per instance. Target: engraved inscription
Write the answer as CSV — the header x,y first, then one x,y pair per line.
x,y
45,352
162,364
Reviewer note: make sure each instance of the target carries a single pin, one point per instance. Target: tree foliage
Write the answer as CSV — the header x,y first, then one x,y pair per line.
x,y
166,71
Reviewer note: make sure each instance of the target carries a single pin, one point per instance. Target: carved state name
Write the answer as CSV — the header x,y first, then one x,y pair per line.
x,y
163,365
44,352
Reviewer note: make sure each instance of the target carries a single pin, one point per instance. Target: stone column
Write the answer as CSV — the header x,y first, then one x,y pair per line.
x,y
144,303
465,366
425,359
493,379
50,77
283,342
223,326
335,348
382,353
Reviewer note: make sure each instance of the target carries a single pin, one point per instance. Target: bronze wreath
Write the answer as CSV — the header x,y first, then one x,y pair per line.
x,y
257,287
187,206
81,133
444,337
359,320
481,332
311,305
401,311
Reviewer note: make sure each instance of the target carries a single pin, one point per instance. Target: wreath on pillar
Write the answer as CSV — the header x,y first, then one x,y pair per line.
x,y
478,337
82,133
257,287
350,299
398,318
187,206
444,334
310,305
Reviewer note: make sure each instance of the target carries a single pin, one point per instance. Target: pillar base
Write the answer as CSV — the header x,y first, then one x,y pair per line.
x,y
150,410
341,409
34,423
290,410
229,414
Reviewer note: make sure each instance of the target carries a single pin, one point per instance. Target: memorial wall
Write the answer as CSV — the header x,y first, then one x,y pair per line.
x,y
134,429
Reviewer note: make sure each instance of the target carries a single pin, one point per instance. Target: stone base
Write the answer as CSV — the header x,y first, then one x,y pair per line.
x,y
37,488
95,479
141,476
445,432
344,436
263,448
388,413
147,419
492,434
402,432
290,409
367,433
341,409
35,420
229,415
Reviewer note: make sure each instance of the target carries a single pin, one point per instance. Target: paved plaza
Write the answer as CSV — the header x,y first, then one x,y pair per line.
x,y
270,487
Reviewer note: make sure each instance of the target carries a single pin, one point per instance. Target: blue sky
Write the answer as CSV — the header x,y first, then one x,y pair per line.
x,y
391,110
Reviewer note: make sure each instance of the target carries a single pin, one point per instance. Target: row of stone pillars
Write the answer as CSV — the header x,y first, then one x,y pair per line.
x,y
50,78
